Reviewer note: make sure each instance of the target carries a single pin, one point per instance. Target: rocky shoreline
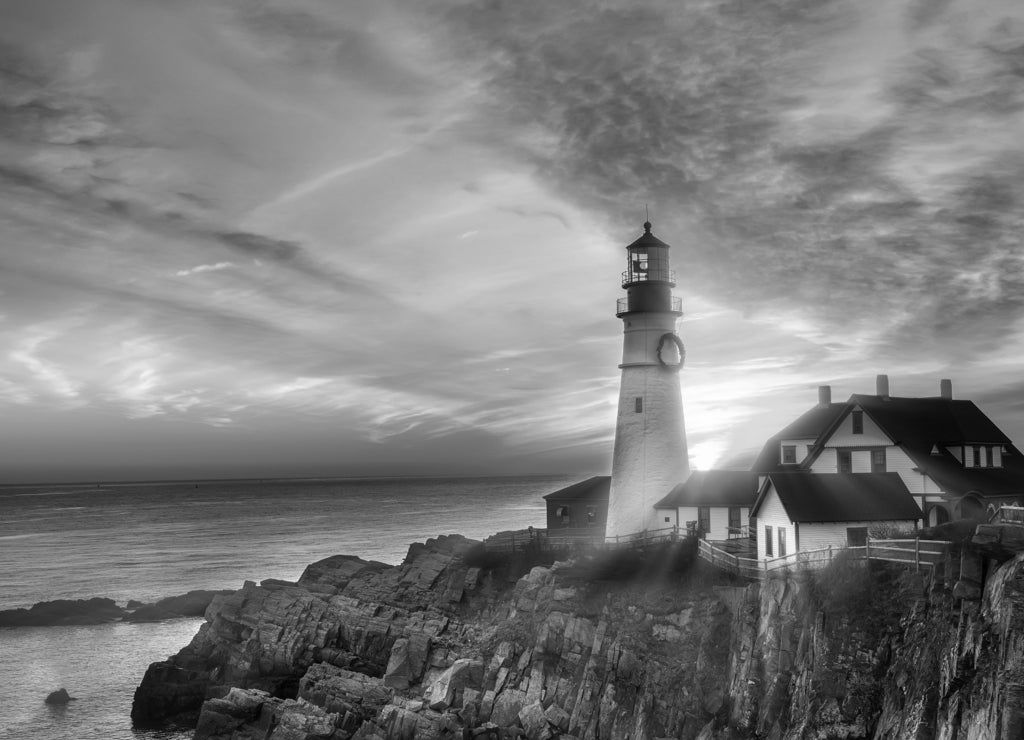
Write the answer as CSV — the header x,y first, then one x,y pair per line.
x,y
461,642
98,610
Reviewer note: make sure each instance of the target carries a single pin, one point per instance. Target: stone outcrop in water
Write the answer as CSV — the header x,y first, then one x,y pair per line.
x,y
448,645
63,612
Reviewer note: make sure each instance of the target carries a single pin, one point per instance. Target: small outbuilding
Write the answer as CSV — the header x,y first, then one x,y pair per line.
x,y
801,511
715,503
582,505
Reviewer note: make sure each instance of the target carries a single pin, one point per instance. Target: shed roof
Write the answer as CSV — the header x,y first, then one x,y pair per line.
x,y
595,489
841,497
713,488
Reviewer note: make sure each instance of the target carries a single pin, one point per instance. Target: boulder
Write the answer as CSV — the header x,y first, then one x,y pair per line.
x,y
446,691
60,696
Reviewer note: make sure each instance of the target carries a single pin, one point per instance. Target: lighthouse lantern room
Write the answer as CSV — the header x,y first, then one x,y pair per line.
x,y
650,456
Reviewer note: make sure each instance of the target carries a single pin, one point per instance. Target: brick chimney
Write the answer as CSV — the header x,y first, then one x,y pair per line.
x,y
824,395
946,388
882,386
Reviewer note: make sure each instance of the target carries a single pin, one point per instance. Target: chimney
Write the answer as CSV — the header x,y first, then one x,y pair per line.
x,y
882,385
824,395
946,388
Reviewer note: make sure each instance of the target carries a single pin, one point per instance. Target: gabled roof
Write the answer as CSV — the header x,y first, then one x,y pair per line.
x,y
595,489
811,425
922,422
713,488
919,425
841,497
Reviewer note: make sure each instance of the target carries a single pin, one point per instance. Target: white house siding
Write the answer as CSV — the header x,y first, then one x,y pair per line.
x,y
773,514
719,520
819,535
665,518
826,462
873,436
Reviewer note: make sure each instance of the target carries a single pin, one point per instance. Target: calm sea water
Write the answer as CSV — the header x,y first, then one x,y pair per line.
x,y
146,541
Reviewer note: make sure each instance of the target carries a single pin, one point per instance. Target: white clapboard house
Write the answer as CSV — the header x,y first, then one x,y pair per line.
x,y
880,461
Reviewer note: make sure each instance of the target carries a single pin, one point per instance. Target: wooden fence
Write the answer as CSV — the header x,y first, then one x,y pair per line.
x,y
908,551
581,538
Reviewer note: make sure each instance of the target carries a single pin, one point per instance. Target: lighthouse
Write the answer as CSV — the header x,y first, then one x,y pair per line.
x,y
650,455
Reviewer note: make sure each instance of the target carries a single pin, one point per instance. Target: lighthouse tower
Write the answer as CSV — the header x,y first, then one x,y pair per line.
x,y
650,455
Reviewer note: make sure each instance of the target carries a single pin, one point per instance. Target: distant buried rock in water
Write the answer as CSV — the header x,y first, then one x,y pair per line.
x,y
60,696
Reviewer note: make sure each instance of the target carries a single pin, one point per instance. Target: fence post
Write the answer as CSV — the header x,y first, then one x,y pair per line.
x,y
917,555
867,548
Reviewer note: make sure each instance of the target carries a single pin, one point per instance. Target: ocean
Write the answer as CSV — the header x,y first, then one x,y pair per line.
x,y
145,541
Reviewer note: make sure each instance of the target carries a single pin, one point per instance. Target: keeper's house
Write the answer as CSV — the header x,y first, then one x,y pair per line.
x,y
952,459
798,511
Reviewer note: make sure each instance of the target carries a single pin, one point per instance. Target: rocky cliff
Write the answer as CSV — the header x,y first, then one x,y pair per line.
x,y
453,643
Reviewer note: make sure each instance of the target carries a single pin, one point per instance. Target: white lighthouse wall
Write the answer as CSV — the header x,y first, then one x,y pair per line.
x,y
641,334
650,456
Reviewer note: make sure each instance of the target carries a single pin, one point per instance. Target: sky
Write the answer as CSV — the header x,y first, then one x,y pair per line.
x,y
321,237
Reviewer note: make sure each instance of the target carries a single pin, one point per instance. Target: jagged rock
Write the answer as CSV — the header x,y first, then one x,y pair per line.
x,y
191,604
221,718
557,717
861,652
343,692
60,696
63,612
447,689
535,722
407,660
1001,541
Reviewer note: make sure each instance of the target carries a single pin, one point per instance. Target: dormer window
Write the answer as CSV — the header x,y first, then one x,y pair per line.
x,y
789,454
857,419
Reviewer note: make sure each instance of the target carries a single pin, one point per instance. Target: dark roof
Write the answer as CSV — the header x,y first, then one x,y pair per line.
x,y
918,425
648,239
921,422
841,497
713,488
810,425
595,488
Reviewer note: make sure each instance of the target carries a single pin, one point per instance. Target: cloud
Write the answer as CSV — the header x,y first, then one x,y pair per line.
x,y
205,268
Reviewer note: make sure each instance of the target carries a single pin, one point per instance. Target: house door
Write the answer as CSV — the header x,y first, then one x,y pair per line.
x,y
704,520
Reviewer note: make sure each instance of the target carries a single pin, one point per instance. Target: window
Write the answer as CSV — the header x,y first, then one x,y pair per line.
x,y
591,516
844,461
768,541
782,542
639,405
856,536
977,456
989,462
878,461
857,418
789,454
734,520
562,512
704,519
668,520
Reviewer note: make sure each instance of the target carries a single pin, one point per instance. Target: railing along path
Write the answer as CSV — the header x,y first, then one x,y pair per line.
x,y
914,552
